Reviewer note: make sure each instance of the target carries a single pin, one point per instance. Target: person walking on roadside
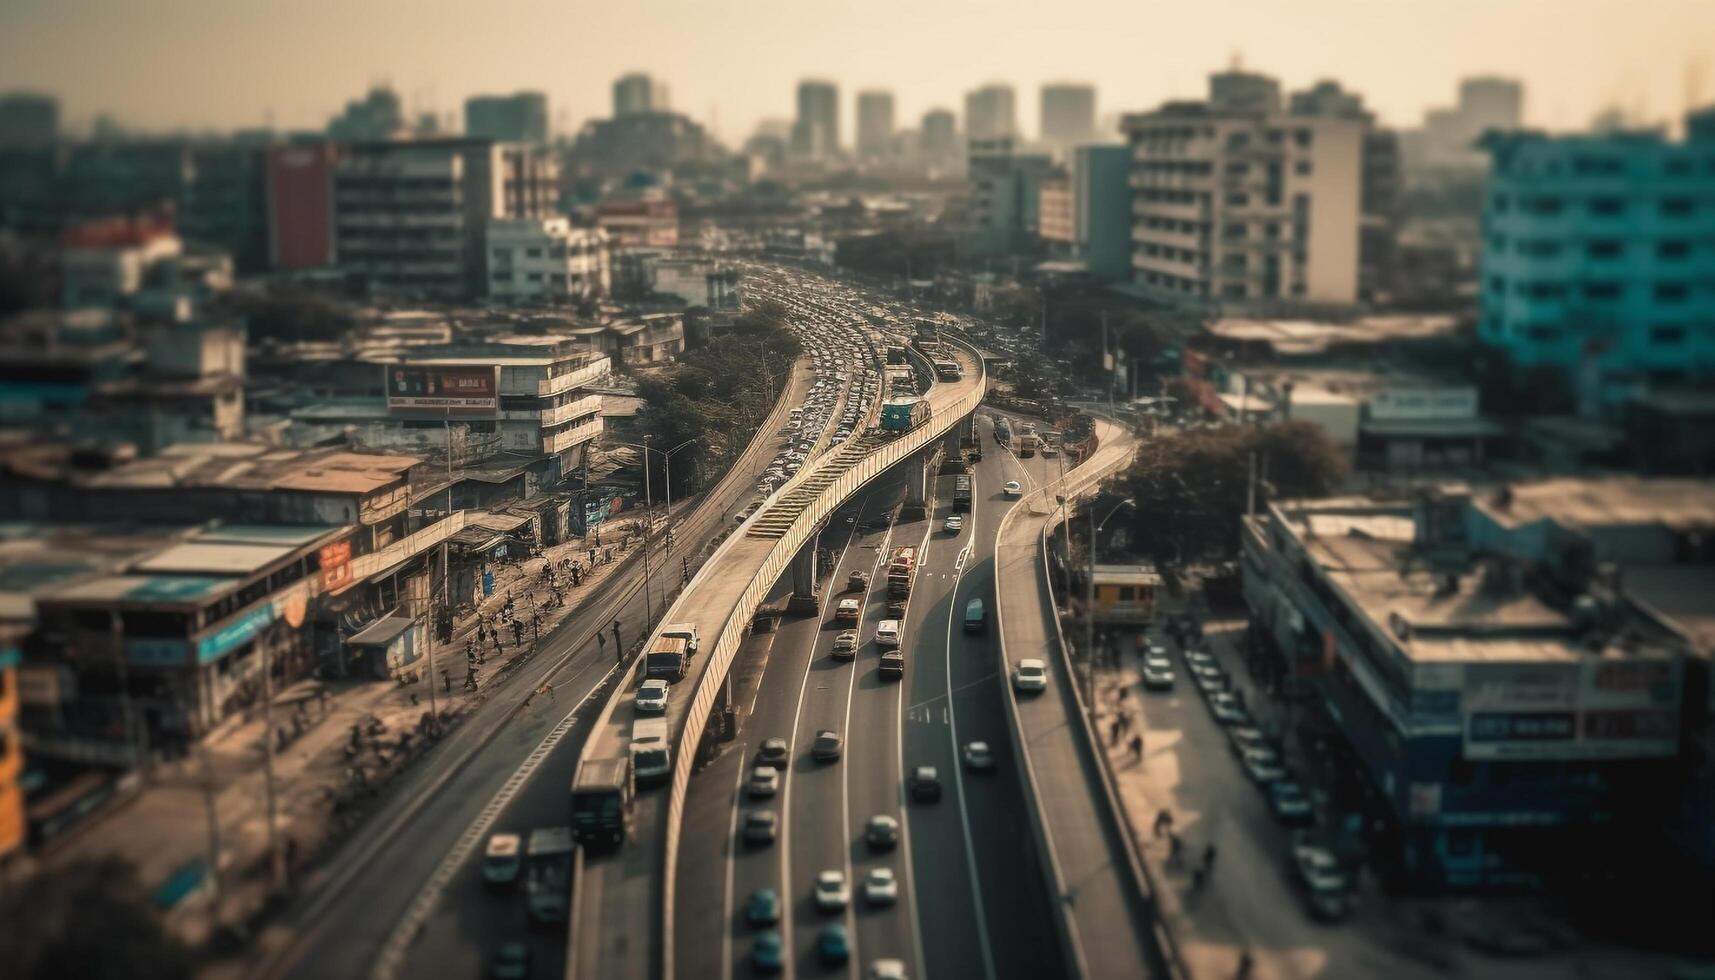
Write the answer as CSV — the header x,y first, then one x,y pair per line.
x,y
1163,822
447,682
1137,748
1245,964
1209,858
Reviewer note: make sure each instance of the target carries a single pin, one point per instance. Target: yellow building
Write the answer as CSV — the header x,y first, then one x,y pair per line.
x,y
1125,594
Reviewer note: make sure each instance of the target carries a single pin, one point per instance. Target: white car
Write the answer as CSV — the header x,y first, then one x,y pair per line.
x,y
831,891
764,781
1263,766
1030,675
880,887
954,524
1012,489
652,696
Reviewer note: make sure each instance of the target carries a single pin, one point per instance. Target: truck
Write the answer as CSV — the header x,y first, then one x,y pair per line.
x,y
666,659
903,414
683,631
962,492
548,874
651,756
948,370
900,569
1027,443
1002,432
601,802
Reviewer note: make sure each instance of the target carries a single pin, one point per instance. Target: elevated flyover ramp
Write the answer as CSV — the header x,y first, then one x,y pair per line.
x,y
623,898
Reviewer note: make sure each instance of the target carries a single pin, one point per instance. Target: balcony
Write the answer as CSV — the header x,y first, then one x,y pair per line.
x,y
577,378
590,405
575,436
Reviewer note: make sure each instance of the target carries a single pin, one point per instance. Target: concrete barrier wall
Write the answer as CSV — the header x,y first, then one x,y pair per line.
x,y
733,633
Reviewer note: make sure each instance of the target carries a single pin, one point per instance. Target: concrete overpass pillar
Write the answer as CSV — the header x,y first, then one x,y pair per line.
x,y
916,488
806,575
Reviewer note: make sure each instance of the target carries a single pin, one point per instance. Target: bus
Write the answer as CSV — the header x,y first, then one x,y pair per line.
x,y
601,802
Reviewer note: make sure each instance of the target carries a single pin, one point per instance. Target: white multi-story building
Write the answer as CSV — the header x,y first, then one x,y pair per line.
x,y
545,261
1237,202
1599,258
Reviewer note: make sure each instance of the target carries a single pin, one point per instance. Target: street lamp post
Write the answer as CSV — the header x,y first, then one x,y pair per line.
x,y
1090,597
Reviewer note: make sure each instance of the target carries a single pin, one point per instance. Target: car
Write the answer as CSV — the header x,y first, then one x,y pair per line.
x,y
1196,658
1286,798
1227,710
652,696
1012,489
1318,872
1263,765
1030,676
881,832
826,748
503,860
848,611
880,887
1242,737
845,645
954,524
774,752
925,784
1157,679
857,582
1156,660
767,952
1212,680
886,970
832,945
763,908
887,633
764,782
761,826
511,961
978,758
831,891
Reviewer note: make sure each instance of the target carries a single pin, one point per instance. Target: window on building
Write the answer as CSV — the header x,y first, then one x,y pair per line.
x,y
1238,169
1501,204
1543,335
503,275
1233,229
503,255
1605,248
1544,290
1541,248
1677,207
1271,231
1607,207
1498,285
1671,292
1666,336
1604,289
535,277
532,253
1238,200
1544,205
1302,137
1673,250
1302,168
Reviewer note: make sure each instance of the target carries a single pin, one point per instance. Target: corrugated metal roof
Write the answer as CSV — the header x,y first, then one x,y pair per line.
x,y
215,558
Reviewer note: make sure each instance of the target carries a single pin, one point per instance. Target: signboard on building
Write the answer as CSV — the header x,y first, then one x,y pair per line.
x,y
1423,404
453,389
1597,709
335,565
235,634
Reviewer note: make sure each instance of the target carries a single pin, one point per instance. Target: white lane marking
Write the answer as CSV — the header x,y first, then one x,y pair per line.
x,y
728,925
899,782
392,956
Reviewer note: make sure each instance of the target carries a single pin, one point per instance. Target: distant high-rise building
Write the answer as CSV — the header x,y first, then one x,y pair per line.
x,y
1238,203
300,189
518,118
28,119
1068,114
875,124
1447,143
1490,102
816,132
637,94
377,116
1101,210
990,113
940,139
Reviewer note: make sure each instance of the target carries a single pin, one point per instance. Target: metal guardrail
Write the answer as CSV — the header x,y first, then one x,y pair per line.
x,y
1170,964
732,634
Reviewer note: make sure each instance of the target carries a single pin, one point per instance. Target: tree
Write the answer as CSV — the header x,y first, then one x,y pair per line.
x,y
91,919
1191,486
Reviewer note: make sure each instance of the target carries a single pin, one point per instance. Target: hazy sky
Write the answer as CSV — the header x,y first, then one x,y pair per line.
x,y
229,63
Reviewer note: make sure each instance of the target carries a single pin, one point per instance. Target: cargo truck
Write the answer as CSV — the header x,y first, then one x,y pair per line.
x,y
900,569
1002,432
601,802
961,493
548,874
667,658
948,370
903,414
651,757
1027,443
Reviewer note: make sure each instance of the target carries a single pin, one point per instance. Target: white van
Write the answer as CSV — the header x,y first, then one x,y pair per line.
x,y
887,633
683,631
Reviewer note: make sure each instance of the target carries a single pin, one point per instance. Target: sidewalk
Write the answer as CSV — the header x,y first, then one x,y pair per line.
x,y
1249,902
325,777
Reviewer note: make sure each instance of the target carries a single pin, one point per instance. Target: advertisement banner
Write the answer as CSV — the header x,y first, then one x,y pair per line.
x,y
335,565
442,389
1596,709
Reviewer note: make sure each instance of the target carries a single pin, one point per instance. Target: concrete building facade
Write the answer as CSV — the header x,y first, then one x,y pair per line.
x,y
991,113
545,261
518,118
875,125
816,130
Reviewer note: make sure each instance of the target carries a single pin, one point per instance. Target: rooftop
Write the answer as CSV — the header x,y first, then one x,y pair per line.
x,y
1585,502
1314,337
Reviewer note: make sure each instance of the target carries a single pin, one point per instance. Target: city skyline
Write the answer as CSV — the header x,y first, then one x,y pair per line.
x,y
266,65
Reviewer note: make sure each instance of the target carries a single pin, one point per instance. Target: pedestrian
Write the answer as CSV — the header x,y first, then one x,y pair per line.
x,y
1163,821
1114,732
1124,721
1175,848
447,681
470,680
1209,858
1196,879
536,626
547,689
1137,747
1123,691
1245,964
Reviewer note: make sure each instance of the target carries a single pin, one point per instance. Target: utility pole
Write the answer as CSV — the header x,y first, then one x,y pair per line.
x,y
213,813
136,736
1090,617
648,524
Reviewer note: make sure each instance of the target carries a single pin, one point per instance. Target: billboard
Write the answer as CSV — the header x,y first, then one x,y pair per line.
x,y
416,388
1597,709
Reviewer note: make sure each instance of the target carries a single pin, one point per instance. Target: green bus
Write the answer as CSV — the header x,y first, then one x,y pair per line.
x,y
975,619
